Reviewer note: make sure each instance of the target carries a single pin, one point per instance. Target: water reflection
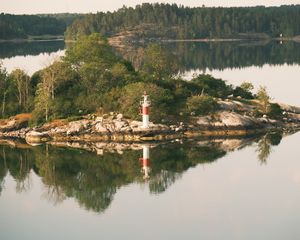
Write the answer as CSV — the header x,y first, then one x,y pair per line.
x,y
264,146
12,49
222,55
93,179
145,161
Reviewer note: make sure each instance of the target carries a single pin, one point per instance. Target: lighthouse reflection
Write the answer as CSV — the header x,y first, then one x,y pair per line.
x,y
145,162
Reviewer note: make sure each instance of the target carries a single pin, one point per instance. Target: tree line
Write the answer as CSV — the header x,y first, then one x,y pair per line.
x,y
179,22
23,26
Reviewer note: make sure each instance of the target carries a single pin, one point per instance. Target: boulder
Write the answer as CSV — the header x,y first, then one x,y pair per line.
x,y
78,126
119,124
204,121
232,119
120,116
100,128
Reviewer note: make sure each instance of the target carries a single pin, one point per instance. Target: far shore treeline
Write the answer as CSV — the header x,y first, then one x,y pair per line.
x,y
160,21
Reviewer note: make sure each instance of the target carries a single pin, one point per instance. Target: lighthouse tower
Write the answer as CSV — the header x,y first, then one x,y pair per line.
x,y
145,162
145,104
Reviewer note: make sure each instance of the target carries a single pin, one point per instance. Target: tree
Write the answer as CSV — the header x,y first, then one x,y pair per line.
x,y
22,83
3,88
42,101
202,105
263,98
55,74
158,62
247,86
212,86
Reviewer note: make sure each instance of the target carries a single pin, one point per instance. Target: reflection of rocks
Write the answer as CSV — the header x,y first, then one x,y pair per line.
x,y
101,147
36,137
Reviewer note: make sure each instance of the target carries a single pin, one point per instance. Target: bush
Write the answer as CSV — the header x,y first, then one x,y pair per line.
x,y
202,105
239,91
212,86
274,111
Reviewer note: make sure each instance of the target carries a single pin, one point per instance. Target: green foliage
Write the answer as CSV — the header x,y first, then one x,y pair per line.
x,y
148,21
247,86
212,86
97,66
244,90
23,26
158,62
202,105
22,84
132,95
274,111
3,88
263,98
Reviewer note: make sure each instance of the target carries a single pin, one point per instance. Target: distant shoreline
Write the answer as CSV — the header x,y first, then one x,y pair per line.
x,y
61,38
43,38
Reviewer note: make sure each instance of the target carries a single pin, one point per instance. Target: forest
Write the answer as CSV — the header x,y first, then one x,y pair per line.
x,y
165,21
24,26
160,21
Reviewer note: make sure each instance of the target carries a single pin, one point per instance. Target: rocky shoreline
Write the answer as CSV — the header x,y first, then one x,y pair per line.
x,y
234,119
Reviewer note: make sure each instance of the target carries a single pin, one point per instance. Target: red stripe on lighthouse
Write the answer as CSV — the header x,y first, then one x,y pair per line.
x,y
146,110
146,162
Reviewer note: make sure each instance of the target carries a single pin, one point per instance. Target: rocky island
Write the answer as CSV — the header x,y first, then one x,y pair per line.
x,y
96,97
233,119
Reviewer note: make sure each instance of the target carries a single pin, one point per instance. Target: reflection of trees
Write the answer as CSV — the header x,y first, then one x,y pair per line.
x,y
203,55
3,167
264,146
12,49
169,162
19,164
94,179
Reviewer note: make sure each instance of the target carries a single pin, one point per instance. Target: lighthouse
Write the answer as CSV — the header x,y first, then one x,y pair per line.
x,y
145,104
145,162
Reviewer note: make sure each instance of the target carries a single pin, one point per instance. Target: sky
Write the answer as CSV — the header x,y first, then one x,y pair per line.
x,y
86,6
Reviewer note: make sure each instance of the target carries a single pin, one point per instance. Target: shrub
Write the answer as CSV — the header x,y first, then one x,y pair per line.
x,y
274,111
212,86
202,105
239,91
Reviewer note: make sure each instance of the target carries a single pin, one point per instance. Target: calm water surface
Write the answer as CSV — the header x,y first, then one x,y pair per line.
x,y
218,189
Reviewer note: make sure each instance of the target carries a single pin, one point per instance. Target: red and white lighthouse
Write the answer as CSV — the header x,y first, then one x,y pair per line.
x,y
145,162
145,104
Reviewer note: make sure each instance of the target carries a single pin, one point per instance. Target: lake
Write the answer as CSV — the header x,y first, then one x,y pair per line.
x,y
245,188
206,189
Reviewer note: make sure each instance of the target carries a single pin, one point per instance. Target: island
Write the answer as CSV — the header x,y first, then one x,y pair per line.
x,y
94,94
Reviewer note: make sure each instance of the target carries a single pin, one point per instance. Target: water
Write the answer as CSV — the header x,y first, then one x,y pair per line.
x,y
30,56
207,189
